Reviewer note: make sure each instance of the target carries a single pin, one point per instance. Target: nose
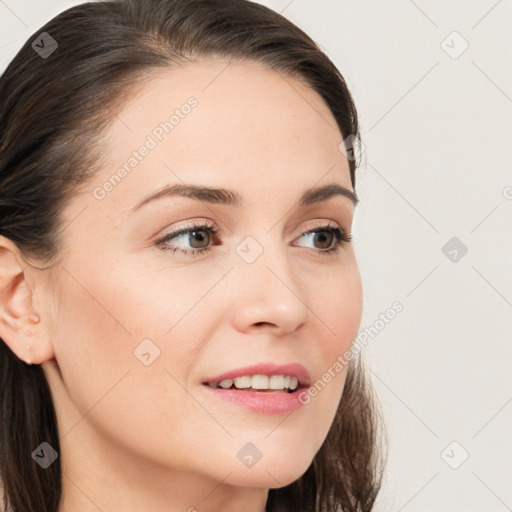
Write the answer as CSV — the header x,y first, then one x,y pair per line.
x,y
270,293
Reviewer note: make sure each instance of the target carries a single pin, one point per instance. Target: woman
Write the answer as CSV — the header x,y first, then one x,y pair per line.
x,y
179,289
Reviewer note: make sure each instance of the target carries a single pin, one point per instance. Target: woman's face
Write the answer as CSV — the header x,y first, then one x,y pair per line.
x,y
138,329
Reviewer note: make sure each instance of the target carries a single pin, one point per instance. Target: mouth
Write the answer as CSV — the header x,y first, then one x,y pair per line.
x,y
259,383
264,388
263,378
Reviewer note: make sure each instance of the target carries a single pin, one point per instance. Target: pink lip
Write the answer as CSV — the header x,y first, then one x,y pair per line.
x,y
264,401
292,369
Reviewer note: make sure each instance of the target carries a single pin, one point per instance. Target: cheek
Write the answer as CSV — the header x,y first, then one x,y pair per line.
x,y
339,311
339,318
92,346
110,381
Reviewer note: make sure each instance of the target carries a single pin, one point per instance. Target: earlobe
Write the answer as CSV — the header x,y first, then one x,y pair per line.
x,y
35,318
20,324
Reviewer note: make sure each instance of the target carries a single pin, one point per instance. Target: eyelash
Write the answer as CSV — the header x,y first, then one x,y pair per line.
x,y
340,235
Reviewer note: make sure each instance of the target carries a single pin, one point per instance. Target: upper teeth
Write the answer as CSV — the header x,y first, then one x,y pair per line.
x,y
260,382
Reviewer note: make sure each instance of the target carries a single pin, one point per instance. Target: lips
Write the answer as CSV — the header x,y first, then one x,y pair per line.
x,y
269,369
260,401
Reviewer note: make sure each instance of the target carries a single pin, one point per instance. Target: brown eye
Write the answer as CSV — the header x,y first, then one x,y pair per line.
x,y
192,239
327,239
324,239
198,237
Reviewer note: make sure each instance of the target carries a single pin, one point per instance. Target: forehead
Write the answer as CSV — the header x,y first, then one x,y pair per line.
x,y
222,123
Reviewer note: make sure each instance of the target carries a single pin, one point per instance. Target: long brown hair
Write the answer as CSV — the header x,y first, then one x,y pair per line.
x,y
53,108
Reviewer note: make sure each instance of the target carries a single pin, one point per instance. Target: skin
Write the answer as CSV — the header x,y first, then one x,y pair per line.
x,y
136,437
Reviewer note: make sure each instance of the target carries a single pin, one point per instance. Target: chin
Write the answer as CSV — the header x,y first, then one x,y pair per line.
x,y
270,474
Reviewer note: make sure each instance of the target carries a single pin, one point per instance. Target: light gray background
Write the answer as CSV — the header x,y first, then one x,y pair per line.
x,y
437,163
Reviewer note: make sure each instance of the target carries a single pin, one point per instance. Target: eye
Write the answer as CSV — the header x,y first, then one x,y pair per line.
x,y
325,236
198,236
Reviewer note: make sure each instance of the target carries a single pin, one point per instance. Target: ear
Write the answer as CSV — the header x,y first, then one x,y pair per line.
x,y
23,326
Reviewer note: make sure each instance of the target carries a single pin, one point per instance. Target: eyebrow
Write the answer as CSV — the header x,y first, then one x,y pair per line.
x,y
227,197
